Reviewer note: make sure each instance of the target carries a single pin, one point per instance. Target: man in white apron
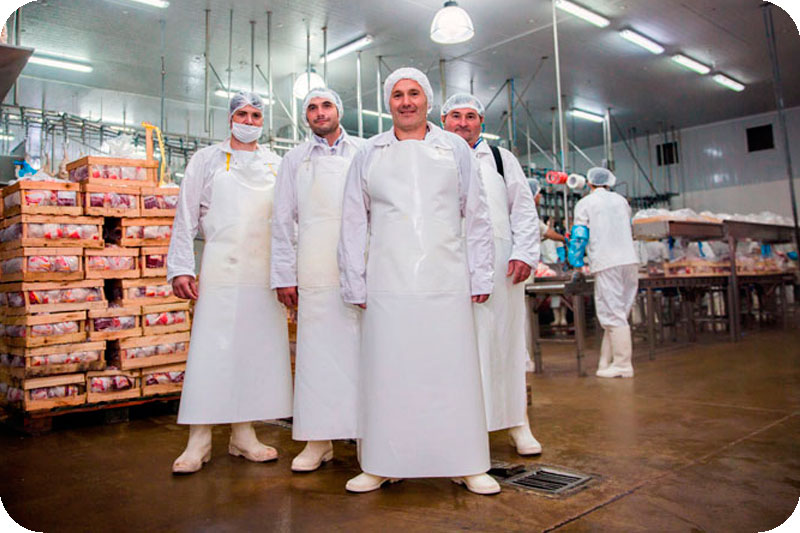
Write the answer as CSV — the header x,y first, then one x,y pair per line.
x,y
305,234
500,322
421,410
238,369
603,222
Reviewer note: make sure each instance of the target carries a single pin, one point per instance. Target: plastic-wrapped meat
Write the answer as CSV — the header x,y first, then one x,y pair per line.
x,y
165,319
100,384
16,299
58,328
116,323
40,360
3,298
157,232
88,232
176,377
120,263
96,262
180,347
171,201
111,173
79,173
154,261
37,198
40,263
62,263
151,202
38,394
62,391
121,382
15,331
14,394
49,231
134,232
159,378
134,173
96,199
13,232
11,200
163,349
15,361
67,198
13,265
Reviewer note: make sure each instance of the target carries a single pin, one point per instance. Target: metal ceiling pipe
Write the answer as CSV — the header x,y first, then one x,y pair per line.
x,y
610,139
511,128
230,55
563,132
294,109
443,81
252,56
161,124
359,103
777,85
378,99
269,73
527,141
206,127
308,56
325,55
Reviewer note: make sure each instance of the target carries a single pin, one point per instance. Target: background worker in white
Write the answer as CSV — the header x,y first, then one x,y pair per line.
x,y
500,322
421,410
305,233
614,263
547,233
238,369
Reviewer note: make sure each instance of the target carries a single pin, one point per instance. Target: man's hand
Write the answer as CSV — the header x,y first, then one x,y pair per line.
x,y
287,296
519,270
480,298
185,287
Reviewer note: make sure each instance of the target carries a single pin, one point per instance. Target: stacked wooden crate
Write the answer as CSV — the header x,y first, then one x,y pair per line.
x,y
87,314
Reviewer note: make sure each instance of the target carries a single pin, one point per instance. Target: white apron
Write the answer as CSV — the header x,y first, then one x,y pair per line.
x,y
421,405
500,322
238,368
328,329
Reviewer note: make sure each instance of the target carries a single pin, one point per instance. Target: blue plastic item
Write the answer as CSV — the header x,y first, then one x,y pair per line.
x,y
562,254
792,255
578,241
25,168
766,250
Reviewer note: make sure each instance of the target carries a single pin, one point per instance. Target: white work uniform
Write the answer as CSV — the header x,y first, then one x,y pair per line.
x,y
238,368
614,261
500,322
421,411
308,203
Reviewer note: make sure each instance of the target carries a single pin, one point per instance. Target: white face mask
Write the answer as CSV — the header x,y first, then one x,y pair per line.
x,y
245,133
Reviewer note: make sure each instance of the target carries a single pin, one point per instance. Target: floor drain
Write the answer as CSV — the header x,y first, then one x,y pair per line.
x,y
547,480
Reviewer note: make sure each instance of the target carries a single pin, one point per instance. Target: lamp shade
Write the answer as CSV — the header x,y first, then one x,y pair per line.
x,y
451,25
302,86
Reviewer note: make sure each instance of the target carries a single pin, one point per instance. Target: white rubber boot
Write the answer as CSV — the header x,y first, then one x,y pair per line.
x,y
523,440
622,351
605,352
480,484
244,443
197,452
562,316
367,482
556,315
313,455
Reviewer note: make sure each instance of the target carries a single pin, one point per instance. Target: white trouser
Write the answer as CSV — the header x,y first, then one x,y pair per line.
x,y
614,293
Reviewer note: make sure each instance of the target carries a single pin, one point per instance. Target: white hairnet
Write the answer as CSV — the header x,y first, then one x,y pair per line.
x,y
327,94
243,99
534,184
461,101
601,177
407,73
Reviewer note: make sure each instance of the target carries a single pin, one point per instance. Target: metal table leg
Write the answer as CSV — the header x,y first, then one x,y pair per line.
x,y
580,329
651,324
535,335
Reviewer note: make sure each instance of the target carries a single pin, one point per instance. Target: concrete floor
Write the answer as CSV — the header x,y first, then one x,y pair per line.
x,y
705,438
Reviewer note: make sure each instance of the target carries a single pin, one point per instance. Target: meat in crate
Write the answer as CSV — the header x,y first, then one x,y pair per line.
x,y
41,264
153,261
26,298
50,360
112,385
35,197
45,393
45,330
152,350
159,201
23,231
166,379
112,262
111,170
145,291
165,318
146,231
115,323
117,200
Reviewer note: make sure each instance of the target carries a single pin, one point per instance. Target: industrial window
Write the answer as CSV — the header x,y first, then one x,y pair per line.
x,y
667,153
760,138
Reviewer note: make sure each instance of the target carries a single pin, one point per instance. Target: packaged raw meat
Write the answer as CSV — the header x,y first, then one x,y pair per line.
x,y
100,384
12,266
154,261
14,394
134,232
134,173
38,394
116,323
11,200
157,232
166,318
121,382
67,198
12,233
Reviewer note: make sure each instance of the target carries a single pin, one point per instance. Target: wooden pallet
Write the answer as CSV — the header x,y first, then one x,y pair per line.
x,y
31,370
26,275
114,312
91,189
186,325
111,396
157,191
29,321
144,222
162,388
116,348
128,284
160,272
112,274
30,308
25,189
26,240
114,171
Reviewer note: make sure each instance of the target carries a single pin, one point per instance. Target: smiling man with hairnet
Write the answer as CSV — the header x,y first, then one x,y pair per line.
x,y
500,322
238,369
404,258
603,222
305,234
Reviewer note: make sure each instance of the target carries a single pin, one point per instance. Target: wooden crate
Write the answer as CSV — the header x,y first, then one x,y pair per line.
x,y
29,322
50,256
111,251
112,170
115,312
162,388
128,284
166,328
157,272
149,222
153,200
33,368
35,302
27,238
113,395
106,192
116,348
78,380
28,190
696,268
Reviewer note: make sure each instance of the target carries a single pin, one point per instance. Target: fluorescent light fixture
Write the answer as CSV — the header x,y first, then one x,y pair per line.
x,y
730,83
583,13
691,64
59,63
451,25
587,116
305,83
222,93
372,113
163,4
345,49
6,137
490,136
641,40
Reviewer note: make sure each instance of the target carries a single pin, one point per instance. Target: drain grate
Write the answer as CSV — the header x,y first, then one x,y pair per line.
x,y
547,480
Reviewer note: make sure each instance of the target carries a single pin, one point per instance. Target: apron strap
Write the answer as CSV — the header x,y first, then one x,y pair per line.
x,y
228,161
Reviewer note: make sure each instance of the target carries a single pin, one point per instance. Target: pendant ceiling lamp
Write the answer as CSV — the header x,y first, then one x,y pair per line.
x,y
451,25
306,82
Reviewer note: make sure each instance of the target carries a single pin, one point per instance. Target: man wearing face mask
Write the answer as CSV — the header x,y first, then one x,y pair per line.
x,y
305,233
238,368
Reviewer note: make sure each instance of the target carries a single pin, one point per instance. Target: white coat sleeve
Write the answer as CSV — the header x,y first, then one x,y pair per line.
x,y
525,233
478,225
352,251
581,216
283,251
180,257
